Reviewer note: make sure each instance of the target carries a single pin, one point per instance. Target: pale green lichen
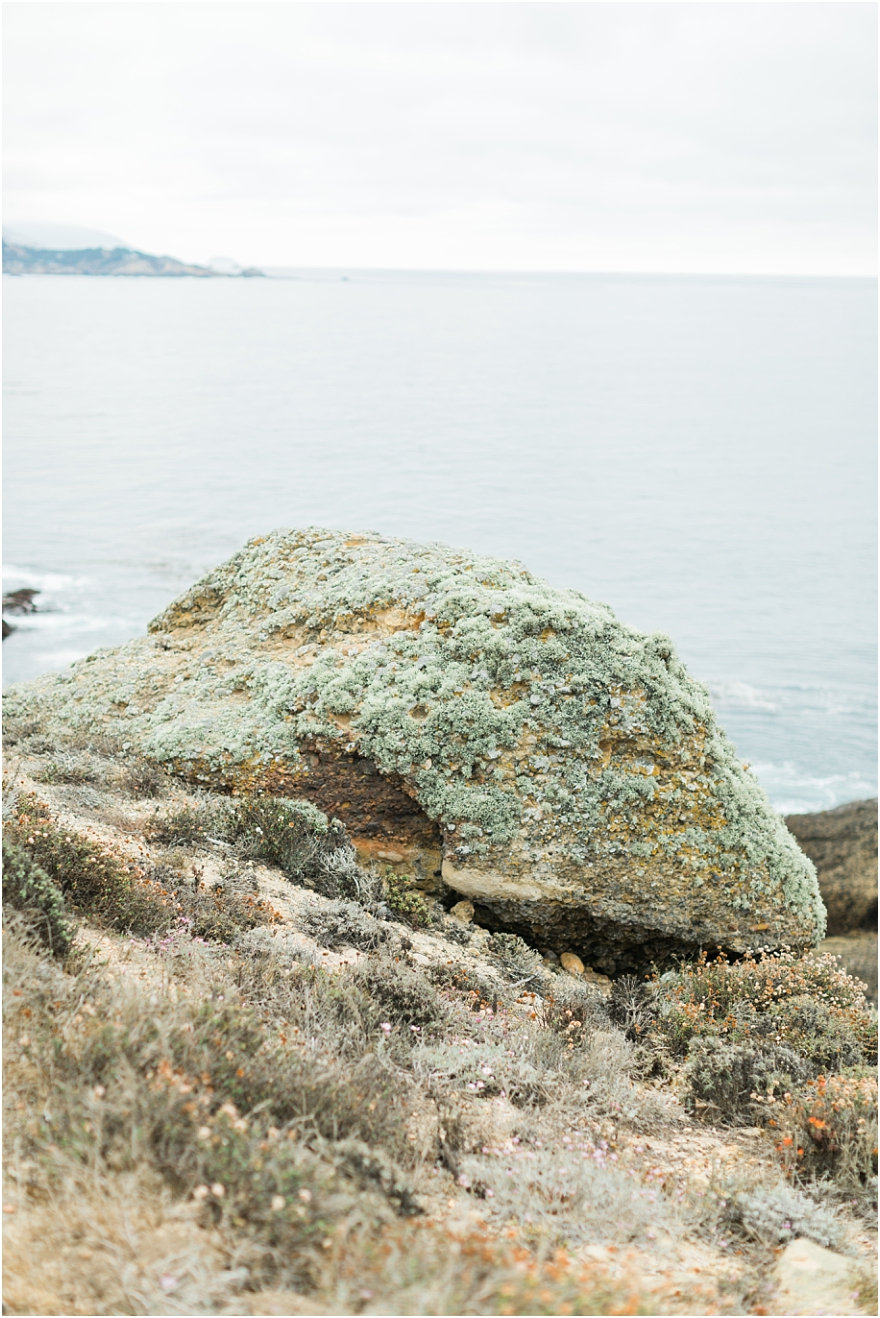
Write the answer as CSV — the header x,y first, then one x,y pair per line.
x,y
512,708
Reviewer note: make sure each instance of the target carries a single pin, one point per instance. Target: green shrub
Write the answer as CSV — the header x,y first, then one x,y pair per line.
x,y
724,1077
405,902
294,835
807,1004
402,996
103,881
336,874
142,777
345,924
775,1214
310,848
520,964
829,1037
92,876
27,888
194,825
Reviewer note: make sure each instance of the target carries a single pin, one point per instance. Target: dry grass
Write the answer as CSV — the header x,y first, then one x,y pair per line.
x,y
124,1247
247,1115
112,1245
270,1112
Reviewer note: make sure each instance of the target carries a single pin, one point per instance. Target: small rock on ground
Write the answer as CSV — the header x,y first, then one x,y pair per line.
x,y
813,1280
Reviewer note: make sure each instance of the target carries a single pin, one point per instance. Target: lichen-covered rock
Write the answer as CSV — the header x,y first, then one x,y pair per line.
x,y
564,769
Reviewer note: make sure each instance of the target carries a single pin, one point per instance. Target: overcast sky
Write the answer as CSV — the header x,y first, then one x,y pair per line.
x,y
736,137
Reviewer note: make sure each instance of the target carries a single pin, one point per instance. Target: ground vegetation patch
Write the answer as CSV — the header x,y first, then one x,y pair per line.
x,y
314,1097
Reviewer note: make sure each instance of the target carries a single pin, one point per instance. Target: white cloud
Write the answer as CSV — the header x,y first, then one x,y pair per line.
x,y
662,136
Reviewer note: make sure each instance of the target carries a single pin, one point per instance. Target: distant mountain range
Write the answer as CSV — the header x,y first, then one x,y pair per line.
x,y
21,260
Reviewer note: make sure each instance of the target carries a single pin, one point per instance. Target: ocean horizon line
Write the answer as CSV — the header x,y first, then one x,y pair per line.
x,y
343,272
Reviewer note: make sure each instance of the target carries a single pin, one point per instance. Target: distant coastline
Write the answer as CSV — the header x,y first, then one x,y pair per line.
x,y
118,261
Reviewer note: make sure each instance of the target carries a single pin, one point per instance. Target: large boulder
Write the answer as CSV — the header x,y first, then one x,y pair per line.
x,y
459,715
842,844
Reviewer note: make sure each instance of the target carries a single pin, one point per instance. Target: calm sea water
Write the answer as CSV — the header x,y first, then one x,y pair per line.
x,y
698,453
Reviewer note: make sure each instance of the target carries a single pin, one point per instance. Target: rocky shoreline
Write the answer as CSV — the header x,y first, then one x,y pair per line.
x,y
842,844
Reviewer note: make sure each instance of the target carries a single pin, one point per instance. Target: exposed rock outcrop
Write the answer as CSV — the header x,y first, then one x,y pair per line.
x,y
842,844
563,770
18,601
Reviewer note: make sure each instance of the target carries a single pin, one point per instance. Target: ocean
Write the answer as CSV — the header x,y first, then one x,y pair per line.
x,y
699,453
